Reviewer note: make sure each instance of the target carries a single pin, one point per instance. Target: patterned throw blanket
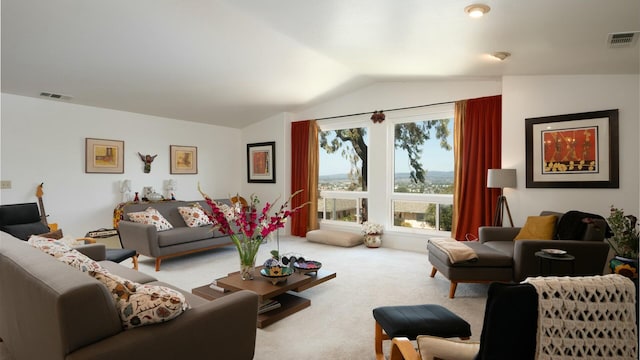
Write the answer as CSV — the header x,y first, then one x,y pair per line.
x,y
591,317
457,251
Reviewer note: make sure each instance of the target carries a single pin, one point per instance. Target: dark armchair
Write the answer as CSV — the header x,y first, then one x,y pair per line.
x,y
23,220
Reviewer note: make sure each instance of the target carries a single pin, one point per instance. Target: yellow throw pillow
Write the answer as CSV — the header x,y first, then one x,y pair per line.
x,y
538,228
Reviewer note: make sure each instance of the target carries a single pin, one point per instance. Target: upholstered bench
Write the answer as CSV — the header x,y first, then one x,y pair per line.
x,y
333,237
411,321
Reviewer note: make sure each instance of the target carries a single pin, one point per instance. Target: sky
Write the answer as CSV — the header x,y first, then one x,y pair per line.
x,y
439,160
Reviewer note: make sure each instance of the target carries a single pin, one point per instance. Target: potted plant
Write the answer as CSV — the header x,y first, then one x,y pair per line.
x,y
372,233
624,242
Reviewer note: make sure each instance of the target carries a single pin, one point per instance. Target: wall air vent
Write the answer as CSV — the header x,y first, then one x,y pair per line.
x,y
55,96
622,39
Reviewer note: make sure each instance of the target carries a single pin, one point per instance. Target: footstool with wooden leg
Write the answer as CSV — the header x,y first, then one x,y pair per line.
x,y
412,320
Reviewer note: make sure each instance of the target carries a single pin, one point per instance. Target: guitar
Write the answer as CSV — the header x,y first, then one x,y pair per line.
x,y
43,214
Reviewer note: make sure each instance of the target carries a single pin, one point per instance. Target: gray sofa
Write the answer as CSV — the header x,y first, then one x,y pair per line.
x,y
500,258
50,310
180,240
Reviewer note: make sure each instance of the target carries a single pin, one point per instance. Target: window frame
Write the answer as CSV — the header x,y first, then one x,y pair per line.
x,y
434,112
358,195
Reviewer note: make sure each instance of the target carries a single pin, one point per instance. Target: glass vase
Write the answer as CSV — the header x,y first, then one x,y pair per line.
x,y
247,268
246,271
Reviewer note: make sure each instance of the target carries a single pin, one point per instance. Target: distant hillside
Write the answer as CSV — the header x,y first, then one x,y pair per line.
x,y
432,176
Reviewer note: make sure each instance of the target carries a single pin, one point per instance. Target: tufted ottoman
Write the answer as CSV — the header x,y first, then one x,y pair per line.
x,y
413,320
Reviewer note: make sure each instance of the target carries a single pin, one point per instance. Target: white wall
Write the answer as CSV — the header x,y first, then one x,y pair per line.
x,y
535,96
44,141
275,128
388,96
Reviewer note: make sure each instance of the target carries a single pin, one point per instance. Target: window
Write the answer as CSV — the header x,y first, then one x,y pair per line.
x,y
422,195
398,173
343,174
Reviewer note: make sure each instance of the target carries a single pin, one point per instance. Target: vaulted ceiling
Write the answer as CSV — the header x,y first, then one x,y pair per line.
x,y
235,62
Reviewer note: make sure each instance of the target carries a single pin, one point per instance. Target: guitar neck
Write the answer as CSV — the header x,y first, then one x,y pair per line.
x,y
43,213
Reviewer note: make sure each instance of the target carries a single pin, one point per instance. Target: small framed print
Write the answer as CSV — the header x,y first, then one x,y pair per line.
x,y
104,156
184,159
573,150
261,162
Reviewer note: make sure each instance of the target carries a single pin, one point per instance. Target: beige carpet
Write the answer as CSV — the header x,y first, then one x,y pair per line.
x,y
339,323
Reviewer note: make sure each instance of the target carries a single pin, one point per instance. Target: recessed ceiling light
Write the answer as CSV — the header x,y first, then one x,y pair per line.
x,y
477,10
501,55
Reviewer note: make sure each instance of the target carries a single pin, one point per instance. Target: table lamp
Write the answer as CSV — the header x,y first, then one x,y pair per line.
x,y
501,178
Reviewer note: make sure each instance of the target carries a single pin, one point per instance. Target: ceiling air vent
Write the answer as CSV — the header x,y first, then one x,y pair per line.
x,y
55,96
622,39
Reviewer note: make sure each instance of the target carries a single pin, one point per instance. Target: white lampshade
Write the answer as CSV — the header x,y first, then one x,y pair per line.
x,y
172,185
501,178
125,186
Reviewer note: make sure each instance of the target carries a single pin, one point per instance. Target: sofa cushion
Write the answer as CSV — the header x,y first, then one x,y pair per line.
x,y
151,216
538,228
181,235
142,304
487,256
194,216
23,231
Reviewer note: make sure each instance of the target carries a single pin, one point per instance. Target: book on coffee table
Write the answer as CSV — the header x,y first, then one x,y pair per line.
x,y
268,305
214,286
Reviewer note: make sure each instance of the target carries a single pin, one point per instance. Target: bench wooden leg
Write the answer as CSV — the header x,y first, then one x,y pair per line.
x,y
158,260
134,258
452,289
433,271
380,336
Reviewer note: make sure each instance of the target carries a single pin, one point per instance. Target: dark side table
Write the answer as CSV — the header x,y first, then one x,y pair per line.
x,y
550,259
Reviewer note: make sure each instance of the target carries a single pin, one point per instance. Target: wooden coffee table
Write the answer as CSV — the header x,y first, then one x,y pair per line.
x,y
262,286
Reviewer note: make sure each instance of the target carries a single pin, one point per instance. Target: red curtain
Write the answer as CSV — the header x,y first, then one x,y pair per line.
x,y
481,150
300,175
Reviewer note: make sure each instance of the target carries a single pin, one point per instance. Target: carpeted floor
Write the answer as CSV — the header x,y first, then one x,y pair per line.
x,y
339,323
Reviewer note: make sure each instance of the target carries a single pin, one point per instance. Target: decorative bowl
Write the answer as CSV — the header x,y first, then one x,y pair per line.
x,y
307,266
278,275
554,252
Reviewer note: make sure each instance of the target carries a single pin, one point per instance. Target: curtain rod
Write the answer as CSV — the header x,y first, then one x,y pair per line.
x,y
396,109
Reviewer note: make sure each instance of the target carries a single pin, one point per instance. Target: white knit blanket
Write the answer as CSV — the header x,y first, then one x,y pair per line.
x,y
591,317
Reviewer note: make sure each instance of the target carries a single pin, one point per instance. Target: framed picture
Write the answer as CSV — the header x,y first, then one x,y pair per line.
x,y
184,159
104,156
261,162
573,150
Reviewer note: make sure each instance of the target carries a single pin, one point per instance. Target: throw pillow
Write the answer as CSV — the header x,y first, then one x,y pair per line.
x,y
64,253
194,216
151,216
538,228
142,304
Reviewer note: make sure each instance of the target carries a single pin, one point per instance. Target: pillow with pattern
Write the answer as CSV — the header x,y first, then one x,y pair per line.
x,y
151,216
64,253
194,216
142,304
